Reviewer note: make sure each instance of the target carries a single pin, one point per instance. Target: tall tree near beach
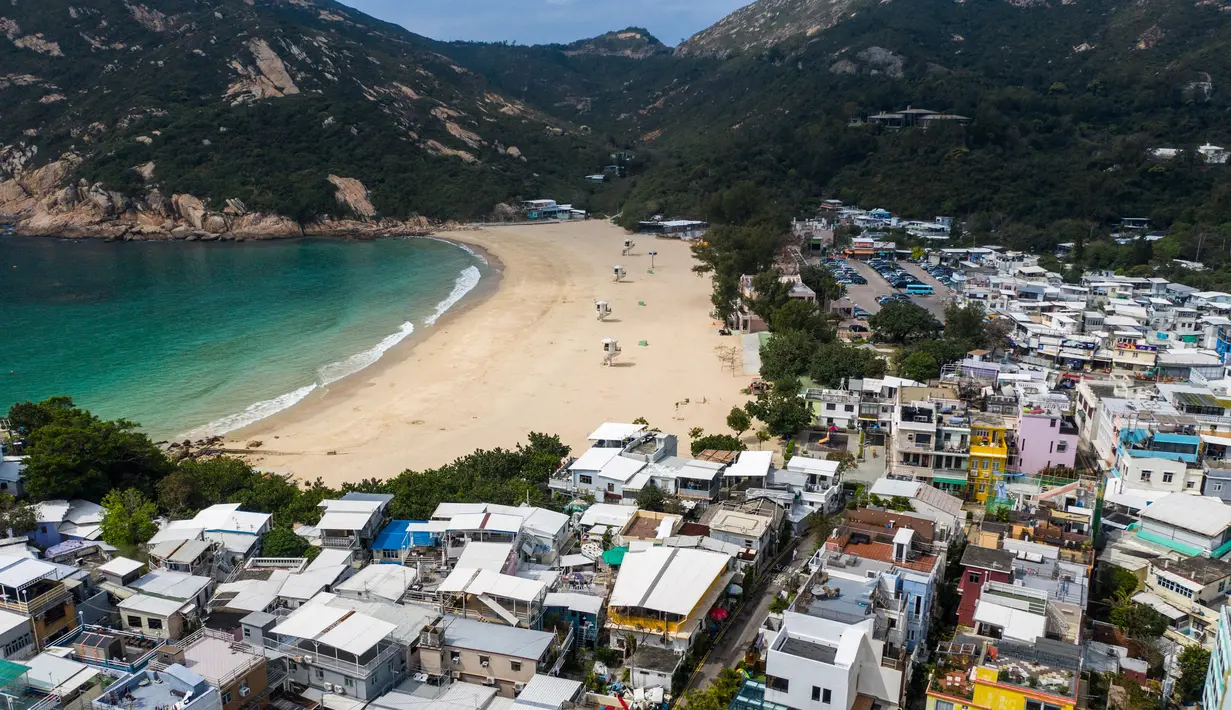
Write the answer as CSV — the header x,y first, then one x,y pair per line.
x,y
900,322
129,518
74,454
739,421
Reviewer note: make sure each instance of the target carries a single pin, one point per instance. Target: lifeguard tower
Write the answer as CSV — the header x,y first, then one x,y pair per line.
x,y
603,309
611,348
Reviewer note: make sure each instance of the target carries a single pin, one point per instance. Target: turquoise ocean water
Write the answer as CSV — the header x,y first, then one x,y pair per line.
x,y
207,337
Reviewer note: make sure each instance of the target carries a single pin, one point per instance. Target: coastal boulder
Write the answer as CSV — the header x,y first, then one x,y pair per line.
x,y
190,209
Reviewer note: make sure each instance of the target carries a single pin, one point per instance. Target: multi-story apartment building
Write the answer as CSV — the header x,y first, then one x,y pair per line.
x,y
991,439
1217,693
931,439
237,671
1189,594
1045,438
500,657
1159,454
1196,526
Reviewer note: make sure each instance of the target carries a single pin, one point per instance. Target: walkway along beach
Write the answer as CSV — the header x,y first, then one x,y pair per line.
x,y
524,358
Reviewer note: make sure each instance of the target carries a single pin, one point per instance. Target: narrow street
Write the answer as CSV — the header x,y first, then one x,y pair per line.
x,y
743,628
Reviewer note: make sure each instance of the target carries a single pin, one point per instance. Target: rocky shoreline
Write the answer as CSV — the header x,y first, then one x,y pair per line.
x,y
46,202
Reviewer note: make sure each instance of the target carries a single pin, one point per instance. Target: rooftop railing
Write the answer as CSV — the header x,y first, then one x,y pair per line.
x,y
302,654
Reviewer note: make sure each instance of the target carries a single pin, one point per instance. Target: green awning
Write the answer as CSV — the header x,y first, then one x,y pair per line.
x,y
615,556
953,481
10,672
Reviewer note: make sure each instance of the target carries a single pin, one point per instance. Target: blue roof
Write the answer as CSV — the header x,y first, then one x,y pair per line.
x,y
1177,438
393,536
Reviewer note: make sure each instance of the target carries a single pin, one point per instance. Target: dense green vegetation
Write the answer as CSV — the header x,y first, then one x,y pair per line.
x,y
74,454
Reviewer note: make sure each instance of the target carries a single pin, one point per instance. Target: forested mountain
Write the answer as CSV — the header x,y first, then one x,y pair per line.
x,y
1065,101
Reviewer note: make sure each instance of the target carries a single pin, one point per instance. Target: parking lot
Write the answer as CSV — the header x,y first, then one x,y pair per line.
x,y
864,296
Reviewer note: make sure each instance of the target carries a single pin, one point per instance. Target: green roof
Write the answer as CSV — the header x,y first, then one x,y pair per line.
x,y
10,672
615,556
955,481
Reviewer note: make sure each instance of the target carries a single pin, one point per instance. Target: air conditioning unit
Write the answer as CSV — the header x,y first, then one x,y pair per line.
x,y
518,687
244,690
489,681
455,675
329,687
457,660
339,690
307,659
485,664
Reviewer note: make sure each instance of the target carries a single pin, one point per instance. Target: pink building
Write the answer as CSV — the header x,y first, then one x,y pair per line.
x,y
1045,439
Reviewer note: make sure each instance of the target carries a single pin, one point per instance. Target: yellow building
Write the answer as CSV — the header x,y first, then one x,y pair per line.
x,y
989,453
665,593
1005,675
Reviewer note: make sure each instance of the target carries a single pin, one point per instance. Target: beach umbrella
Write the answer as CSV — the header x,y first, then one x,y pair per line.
x,y
719,614
735,590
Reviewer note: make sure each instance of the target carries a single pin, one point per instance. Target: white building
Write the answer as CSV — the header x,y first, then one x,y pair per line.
x,y
818,664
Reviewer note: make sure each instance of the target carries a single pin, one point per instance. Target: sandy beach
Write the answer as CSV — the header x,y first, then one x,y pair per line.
x,y
523,356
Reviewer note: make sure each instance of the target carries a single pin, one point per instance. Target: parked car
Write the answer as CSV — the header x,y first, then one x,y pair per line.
x,y
861,313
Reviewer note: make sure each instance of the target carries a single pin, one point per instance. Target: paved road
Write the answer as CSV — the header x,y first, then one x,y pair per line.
x,y
865,296
729,651
935,303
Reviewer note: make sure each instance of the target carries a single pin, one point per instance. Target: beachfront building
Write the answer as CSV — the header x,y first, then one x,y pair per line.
x,y
822,485
59,520
662,595
352,522
489,596
973,672
236,535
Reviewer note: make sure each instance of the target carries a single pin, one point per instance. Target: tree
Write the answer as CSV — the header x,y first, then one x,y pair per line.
x,y
920,366
787,354
804,316
25,417
782,412
717,695
177,493
128,519
900,322
15,518
716,442
1138,621
965,324
283,542
739,421
1194,663
78,455
769,294
651,498
763,436
834,363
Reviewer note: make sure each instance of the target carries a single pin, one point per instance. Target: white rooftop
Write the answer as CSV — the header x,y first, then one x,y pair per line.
x,y
382,581
156,606
607,514
120,566
1206,515
485,555
1016,623
476,581
594,459
174,585
611,431
670,580
10,621
818,467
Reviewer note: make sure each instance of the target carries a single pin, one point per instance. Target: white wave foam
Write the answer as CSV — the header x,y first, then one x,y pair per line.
x,y
335,371
467,280
464,247
252,413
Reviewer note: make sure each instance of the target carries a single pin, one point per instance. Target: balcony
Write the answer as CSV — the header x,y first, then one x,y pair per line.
x,y
994,450
340,543
302,651
57,593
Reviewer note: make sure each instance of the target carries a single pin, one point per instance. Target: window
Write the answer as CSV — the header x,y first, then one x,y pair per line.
x,y
247,632
585,479
1217,487
320,673
826,696
1189,484
983,464
1053,423
995,467
485,660
42,529
1222,585
455,657
350,682
515,666
1062,446
16,645
747,543
134,621
982,487
1033,704
816,693
1051,448
943,705
226,698
1145,475
775,683
154,624
974,577
830,407
850,407
1168,476
611,488
910,635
